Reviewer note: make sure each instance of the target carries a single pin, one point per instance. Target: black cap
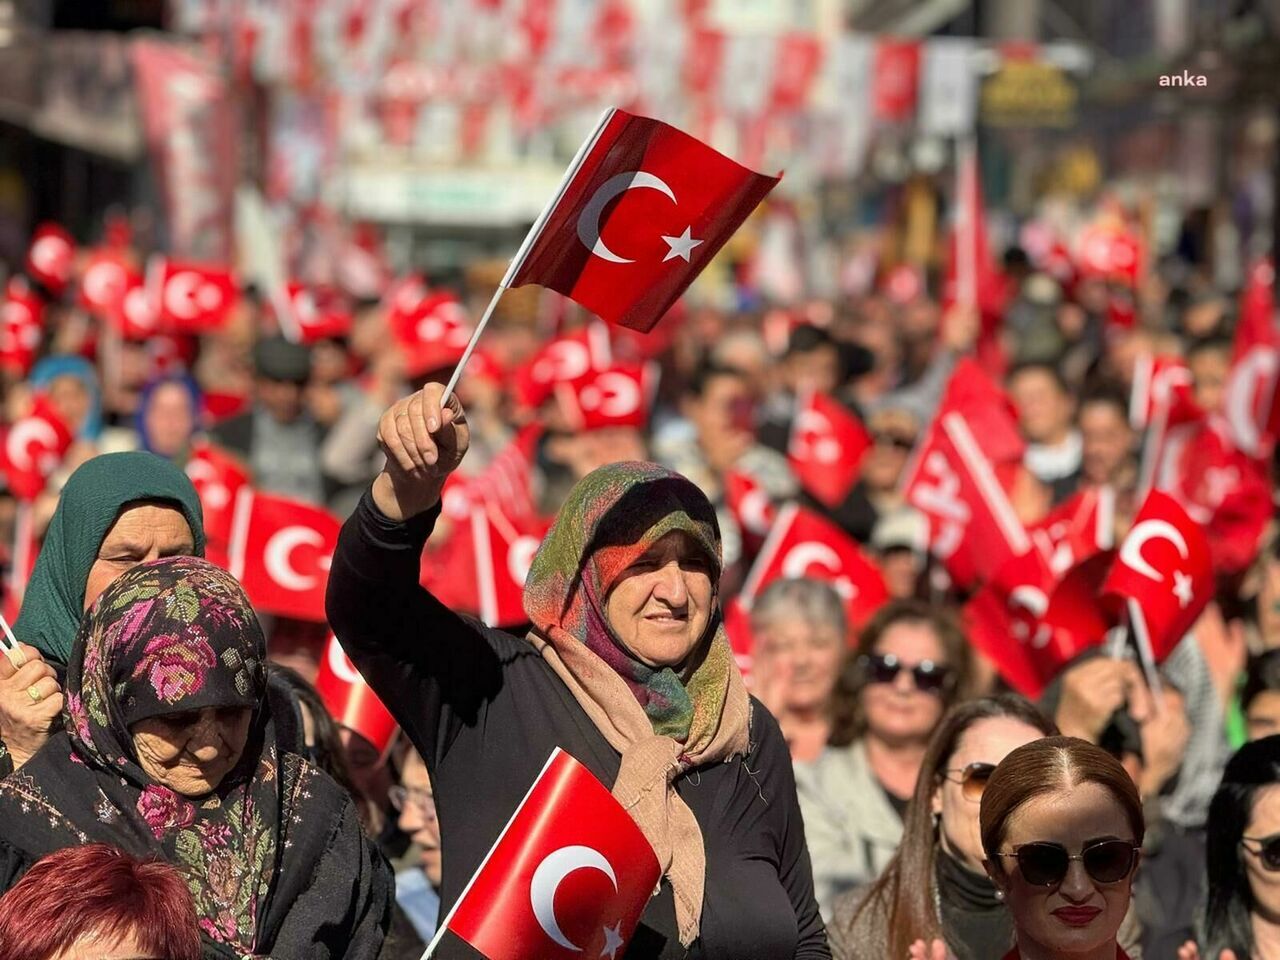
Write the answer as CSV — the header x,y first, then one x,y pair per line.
x,y
276,358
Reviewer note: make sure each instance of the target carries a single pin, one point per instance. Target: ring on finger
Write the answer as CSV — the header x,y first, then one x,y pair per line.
x,y
34,693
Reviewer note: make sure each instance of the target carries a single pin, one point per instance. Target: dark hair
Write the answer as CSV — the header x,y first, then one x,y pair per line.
x,y
807,338
1107,393
98,890
847,721
1261,676
326,753
707,371
1227,925
1213,342
1051,370
1046,766
904,894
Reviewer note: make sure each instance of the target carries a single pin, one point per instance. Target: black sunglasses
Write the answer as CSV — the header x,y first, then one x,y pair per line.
x,y
929,677
1045,864
973,778
894,440
1268,850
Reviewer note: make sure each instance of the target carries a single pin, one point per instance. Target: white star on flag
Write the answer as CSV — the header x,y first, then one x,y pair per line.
x,y
1182,588
681,246
612,941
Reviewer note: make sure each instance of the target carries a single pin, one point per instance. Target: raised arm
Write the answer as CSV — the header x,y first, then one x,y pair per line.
x,y
432,668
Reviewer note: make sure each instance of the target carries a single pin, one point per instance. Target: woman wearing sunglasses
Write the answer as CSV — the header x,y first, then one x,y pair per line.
x,y
910,665
935,887
1062,829
1242,918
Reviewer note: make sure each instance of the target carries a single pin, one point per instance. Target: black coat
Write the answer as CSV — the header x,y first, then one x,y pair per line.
x,y
485,711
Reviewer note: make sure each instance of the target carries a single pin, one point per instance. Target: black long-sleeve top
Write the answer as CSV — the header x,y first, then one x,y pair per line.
x,y
485,711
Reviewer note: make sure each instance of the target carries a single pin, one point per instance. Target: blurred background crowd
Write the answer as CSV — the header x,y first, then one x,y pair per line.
x,y
232,234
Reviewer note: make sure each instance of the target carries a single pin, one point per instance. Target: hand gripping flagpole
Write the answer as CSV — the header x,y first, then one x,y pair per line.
x,y
529,240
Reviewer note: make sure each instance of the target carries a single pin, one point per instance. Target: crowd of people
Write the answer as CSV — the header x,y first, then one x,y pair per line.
x,y
816,779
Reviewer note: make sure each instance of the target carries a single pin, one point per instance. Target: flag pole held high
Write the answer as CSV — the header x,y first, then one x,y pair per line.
x,y
639,213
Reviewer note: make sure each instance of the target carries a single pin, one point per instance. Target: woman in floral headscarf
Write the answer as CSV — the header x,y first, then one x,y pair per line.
x,y
170,750
627,668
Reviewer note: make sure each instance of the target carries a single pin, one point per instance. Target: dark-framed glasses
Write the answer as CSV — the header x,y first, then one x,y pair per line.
x,y
929,677
1268,850
1045,864
972,778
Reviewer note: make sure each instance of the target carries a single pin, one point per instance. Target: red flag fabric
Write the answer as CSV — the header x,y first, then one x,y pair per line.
x,y
106,278
1075,614
351,701
51,257
280,551
433,332
503,553
218,478
750,506
565,359
568,877
314,318
1005,622
805,544
1077,529
1251,386
955,481
895,80
972,278
828,442
621,396
1163,574
34,446
21,325
1161,392
643,210
1111,251
192,297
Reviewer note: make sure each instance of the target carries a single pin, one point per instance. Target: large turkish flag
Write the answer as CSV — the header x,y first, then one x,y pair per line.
x,y
280,551
568,877
643,210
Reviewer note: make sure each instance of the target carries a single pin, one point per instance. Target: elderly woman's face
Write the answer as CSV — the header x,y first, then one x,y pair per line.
x,y
958,799
661,604
169,419
1264,822
142,532
191,752
1080,915
809,651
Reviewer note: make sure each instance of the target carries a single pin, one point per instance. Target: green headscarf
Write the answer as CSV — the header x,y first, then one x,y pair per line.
x,y
53,604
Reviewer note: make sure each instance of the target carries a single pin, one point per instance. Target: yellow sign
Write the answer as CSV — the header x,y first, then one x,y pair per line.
x,y
1028,93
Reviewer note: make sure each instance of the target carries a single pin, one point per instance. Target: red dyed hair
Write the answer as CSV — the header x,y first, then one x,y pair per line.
x,y
97,890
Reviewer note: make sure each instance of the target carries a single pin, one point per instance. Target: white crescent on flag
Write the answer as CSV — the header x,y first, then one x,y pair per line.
x,y
1131,549
23,434
589,219
826,448
520,558
279,552
613,394
546,880
811,553
341,664
104,282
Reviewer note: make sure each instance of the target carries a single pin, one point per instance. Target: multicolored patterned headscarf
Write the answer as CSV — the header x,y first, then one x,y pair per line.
x,y
659,724
174,636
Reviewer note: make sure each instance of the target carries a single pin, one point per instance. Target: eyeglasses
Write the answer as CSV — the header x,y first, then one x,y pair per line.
x,y
1268,850
973,779
402,797
897,441
1045,864
929,677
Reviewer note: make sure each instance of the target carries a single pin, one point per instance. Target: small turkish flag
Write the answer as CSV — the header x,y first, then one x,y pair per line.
x,y
826,449
1075,616
620,396
136,316
106,278
314,318
192,297
1161,393
33,448
21,325
1251,385
960,484
218,478
750,506
1163,575
434,333
895,79
51,257
569,357
644,209
1077,528
503,554
804,544
351,701
1110,251
1006,622
568,877
280,550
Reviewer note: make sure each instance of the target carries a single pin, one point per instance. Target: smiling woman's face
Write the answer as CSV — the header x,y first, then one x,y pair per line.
x,y
661,604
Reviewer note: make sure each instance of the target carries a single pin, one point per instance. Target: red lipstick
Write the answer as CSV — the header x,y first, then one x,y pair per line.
x,y
1077,916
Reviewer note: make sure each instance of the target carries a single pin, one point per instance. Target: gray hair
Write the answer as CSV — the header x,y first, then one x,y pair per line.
x,y
803,598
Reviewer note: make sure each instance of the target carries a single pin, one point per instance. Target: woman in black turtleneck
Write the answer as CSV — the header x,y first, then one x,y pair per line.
x,y
935,886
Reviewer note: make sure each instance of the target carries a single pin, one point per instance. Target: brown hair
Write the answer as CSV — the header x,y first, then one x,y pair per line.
x,y
848,722
1047,766
904,894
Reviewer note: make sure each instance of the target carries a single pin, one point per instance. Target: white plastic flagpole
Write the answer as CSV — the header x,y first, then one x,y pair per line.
x,y
529,240
10,645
